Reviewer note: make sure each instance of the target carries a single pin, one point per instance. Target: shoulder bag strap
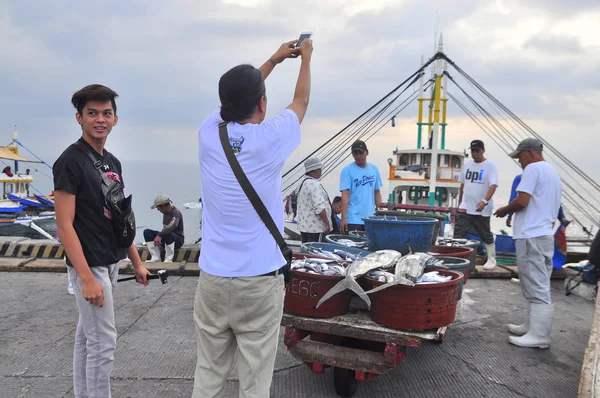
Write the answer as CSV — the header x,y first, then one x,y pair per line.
x,y
97,163
300,187
251,193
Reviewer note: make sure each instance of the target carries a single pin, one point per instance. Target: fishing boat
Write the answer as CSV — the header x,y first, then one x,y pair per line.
x,y
17,205
426,176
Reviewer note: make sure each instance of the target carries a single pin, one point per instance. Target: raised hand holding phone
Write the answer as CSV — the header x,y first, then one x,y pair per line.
x,y
303,36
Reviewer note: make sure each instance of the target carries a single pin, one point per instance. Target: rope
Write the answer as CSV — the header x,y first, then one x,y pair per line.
x,y
486,130
565,181
557,164
509,120
362,131
414,96
529,129
37,157
435,57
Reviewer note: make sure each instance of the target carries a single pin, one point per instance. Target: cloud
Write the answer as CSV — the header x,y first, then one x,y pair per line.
x,y
556,7
553,44
539,58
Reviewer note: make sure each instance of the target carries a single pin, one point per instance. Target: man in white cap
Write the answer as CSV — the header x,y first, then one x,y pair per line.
x,y
535,210
172,233
314,207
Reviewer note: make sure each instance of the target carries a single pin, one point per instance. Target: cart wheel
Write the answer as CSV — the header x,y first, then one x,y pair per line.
x,y
344,381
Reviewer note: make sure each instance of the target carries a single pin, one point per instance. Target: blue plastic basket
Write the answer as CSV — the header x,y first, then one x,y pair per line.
x,y
505,244
480,249
397,232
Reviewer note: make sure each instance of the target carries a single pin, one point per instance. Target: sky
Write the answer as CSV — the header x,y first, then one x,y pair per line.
x,y
538,57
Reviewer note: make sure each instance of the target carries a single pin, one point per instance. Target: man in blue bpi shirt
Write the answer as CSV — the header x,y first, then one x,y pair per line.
x,y
360,185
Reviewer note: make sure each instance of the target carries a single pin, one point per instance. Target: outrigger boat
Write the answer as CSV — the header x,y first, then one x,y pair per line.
x,y
27,202
16,205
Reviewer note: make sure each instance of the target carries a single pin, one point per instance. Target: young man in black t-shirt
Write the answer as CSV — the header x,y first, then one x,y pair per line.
x,y
85,230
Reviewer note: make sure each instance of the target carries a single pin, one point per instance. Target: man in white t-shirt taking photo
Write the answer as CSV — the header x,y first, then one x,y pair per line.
x,y
239,299
535,209
479,180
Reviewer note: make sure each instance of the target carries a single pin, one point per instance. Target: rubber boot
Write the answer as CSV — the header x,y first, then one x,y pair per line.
x,y
538,336
491,256
169,252
154,252
520,330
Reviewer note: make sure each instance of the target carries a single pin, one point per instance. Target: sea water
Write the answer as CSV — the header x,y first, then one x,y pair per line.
x,y
180,181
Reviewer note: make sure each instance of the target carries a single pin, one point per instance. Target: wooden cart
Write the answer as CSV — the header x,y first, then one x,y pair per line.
x,y
357,348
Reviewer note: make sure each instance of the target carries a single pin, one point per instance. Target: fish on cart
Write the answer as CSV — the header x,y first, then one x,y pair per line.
x,y
345,255
433,277
379,259
318,266
346,242
409,269
323,253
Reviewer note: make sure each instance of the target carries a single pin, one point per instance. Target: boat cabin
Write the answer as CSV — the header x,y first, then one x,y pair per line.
x,y
410,173
15,184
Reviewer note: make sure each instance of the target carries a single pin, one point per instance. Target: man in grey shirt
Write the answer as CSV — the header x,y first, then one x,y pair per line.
x,y
172,233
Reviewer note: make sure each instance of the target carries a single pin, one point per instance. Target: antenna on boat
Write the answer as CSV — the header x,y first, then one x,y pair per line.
x,y
436,123
436,29
15,149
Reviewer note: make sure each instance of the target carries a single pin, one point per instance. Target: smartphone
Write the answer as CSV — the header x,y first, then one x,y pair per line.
x,y
303,35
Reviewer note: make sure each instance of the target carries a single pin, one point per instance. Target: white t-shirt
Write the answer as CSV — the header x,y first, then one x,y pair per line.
x,y
542,182
235,241
478,178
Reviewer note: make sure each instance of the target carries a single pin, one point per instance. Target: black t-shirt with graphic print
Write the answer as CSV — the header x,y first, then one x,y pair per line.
x,y
74,172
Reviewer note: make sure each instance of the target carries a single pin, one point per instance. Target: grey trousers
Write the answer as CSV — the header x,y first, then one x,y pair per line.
x,y
534,260
95,337
237,314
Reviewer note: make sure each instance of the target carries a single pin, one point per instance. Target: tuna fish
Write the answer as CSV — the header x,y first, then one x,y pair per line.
x,y
380,259
318,266
409,269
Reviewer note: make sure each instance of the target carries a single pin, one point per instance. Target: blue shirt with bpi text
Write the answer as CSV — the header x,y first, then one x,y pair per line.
x,y
362,184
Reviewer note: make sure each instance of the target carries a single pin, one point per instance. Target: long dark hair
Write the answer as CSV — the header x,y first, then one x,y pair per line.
x,y
240,90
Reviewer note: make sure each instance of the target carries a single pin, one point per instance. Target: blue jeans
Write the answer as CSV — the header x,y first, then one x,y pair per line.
x,y
150,234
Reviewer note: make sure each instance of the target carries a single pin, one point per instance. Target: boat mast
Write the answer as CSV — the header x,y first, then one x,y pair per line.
x,y
16,148
444,104
436,124
421,99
